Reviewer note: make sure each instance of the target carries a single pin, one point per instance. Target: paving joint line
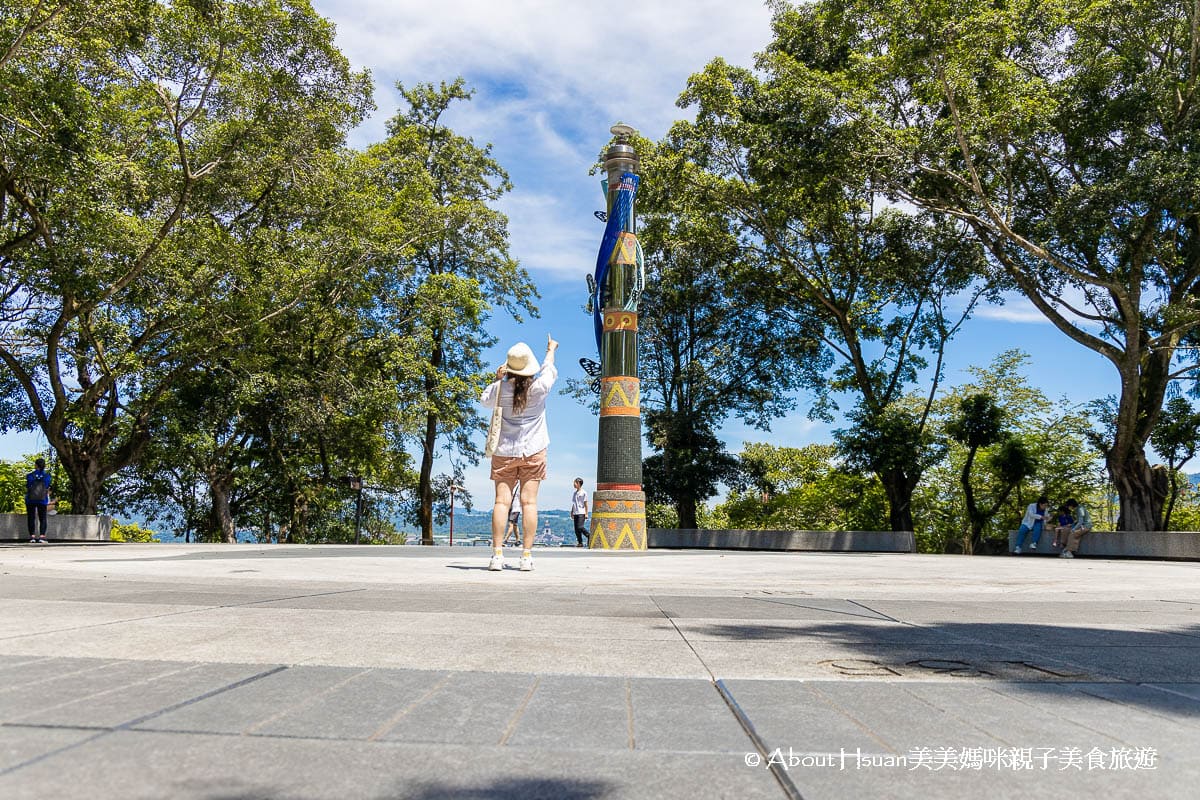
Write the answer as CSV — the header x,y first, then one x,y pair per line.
x,y
394,720
512,723
119,688
59,676
306,703
826,610
777,770
711,677
781,777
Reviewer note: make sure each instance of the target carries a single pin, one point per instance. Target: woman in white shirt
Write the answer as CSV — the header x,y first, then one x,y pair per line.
x,y
520,455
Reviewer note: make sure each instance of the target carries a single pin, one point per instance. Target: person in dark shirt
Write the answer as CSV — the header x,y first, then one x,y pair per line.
x,y
37,498
1065,521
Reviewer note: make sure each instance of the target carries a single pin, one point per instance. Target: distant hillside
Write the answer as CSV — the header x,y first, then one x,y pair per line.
x,y
479,523
467,525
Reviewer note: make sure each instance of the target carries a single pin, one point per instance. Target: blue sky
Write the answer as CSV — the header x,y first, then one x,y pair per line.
x,y
550,78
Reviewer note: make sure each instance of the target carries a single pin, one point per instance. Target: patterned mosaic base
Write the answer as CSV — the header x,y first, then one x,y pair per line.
x,y
618,520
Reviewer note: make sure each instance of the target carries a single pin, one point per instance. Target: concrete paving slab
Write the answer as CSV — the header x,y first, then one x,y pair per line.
x,y
26,617
20,745
365,704
1127,720
1038,783
1170,705
818,659
795,714
901,720
1013,713
470,625
1141,664
20,703
243,707
625,658
20,671
809,631
683,716
128,701
470,708
320,672
507,604
575,713
13,667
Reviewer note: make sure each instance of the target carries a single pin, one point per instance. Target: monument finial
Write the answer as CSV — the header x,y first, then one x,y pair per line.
x,y
623,132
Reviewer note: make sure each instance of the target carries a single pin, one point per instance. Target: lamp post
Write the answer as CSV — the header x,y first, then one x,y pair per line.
x,y
453,488
356,486
619,504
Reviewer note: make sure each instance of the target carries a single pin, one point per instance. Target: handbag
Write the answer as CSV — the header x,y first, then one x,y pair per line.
x,y
493,436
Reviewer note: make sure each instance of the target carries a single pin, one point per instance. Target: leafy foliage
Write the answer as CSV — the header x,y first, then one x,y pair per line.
x,y
786,488
1063,134
140,159
867,284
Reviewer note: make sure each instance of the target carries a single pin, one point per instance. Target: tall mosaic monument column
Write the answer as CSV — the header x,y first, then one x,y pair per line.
x,y
619,504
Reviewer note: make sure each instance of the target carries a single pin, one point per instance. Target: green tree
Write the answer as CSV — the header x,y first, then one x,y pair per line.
x,y
1176,438
979,423
709,349
897,444
828,259
1186,511
1063,133
135,146
806,488
1055,433
444,186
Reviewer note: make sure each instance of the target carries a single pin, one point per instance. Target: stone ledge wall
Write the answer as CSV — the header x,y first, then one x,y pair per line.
x,y
820,541
1175,545
59,528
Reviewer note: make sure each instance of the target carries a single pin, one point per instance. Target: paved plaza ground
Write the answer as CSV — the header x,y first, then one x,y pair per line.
x,y
222,672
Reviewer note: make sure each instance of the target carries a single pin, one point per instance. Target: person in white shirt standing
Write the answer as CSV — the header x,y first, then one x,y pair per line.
x,y
579,513
514,518
520,454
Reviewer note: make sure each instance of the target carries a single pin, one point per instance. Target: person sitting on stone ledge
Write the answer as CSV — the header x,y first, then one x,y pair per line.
x,y
1082,526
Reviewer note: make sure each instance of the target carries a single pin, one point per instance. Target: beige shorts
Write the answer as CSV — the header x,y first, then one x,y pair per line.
x,y
514,469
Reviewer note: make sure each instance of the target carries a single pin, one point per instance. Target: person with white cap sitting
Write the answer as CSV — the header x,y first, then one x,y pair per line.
x,y
520,390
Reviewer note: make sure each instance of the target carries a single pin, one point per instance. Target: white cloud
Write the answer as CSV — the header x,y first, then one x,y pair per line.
x,y
551,77
570,54
1017,311
550,238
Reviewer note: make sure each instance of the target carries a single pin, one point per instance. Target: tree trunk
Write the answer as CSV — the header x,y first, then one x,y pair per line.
x,y
86,482
425,484
428,449
1142,490
899,490
976,538
222,516
685,509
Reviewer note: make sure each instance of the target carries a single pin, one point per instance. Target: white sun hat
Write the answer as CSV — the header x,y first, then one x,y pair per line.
x,y
521,360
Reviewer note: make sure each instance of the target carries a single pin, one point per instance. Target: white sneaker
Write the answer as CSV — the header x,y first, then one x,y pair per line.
x,y
496,564
1066,554
526,563
1016,551
1033,546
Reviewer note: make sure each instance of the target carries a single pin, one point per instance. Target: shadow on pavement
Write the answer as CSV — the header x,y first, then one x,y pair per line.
x,y
1103,662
